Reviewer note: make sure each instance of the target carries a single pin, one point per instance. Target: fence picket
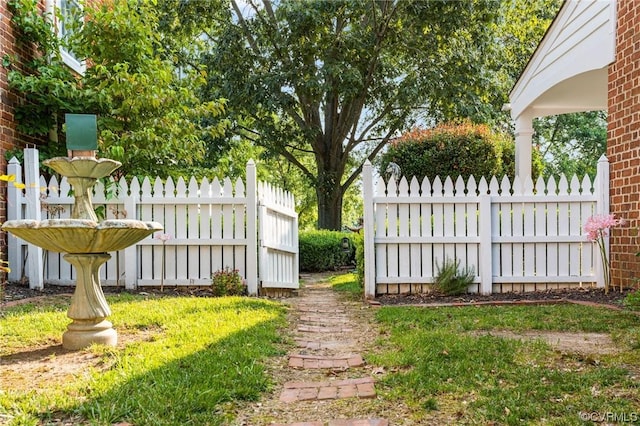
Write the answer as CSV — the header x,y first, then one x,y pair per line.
x,y
240,228
404,259
460,223
194,227
426,230
542,250
392,228
146,214
415,259
587,249
553,248
227,225
438,223
181,227
575,226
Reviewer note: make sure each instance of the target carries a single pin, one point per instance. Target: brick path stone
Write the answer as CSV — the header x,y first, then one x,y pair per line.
x,y
349,388
314,361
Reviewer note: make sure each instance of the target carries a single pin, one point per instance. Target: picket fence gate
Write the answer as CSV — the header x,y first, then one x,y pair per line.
x,y
515,236
209,226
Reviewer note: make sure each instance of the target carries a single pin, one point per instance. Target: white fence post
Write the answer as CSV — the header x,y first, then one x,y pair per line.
x,y
32,181
131,252
486,251
252,232
602,186
369,232
14,212
602,208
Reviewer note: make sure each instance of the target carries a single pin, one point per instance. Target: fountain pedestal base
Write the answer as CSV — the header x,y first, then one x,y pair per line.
x,y
89,307
83,333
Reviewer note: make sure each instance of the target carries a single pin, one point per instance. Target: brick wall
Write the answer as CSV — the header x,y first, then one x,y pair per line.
x,y
10,138
623,144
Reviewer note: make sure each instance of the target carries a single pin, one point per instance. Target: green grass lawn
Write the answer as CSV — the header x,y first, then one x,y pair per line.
x,y
195,359
440,363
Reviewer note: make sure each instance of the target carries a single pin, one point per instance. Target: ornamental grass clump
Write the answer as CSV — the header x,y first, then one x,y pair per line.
x,y
597,229
451,280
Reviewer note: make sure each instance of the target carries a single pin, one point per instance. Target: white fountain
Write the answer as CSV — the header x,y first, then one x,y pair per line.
x,y
85,241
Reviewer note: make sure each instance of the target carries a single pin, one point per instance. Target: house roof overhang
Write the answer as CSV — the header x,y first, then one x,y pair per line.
x,y
568,72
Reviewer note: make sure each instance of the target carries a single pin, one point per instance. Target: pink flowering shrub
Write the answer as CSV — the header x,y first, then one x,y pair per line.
x,y
597,228
228,282
162,237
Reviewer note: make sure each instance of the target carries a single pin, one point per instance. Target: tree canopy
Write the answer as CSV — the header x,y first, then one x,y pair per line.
x,y
149,116
572,143
335,80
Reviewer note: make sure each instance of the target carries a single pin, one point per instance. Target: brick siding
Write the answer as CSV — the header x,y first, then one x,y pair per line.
x,y
623,144
10,138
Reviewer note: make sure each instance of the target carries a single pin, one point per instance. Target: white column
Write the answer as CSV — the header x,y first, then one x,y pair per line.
x,y
524,136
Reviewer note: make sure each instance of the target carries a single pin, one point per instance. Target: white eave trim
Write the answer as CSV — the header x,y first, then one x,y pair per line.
x,y
581,39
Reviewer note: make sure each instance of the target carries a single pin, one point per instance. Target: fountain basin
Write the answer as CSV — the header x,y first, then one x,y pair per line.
x,y
82,235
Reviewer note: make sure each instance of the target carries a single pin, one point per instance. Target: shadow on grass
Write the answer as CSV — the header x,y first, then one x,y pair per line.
x,y
208,357
37,354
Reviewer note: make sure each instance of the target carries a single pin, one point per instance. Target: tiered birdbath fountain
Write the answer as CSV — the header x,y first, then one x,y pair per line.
x,y
85,240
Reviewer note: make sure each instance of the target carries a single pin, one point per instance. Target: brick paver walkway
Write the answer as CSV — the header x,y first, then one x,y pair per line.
x,y
325,343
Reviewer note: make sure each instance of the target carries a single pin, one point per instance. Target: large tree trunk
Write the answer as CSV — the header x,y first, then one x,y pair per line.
x,y
329,195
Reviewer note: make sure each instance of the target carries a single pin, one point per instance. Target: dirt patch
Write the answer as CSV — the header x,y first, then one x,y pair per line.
x,y
50,366
579,343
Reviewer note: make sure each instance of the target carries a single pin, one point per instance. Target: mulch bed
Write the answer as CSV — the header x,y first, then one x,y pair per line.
x,y
12,292
591,295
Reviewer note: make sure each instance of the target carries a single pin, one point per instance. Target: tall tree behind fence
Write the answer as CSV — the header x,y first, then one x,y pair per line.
x,y
208,226
515,236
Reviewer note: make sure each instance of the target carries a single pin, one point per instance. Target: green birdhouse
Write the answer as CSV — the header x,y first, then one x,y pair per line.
x,y
82,132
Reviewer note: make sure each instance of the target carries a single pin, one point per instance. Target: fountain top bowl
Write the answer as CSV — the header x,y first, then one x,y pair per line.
x,y
83,167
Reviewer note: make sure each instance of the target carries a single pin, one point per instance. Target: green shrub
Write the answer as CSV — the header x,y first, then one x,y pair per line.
x,y
358,242
632,301
454,150
228,282
452,281
322,250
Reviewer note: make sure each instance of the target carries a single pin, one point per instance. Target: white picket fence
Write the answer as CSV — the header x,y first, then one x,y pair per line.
x,y
516,236
208,226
